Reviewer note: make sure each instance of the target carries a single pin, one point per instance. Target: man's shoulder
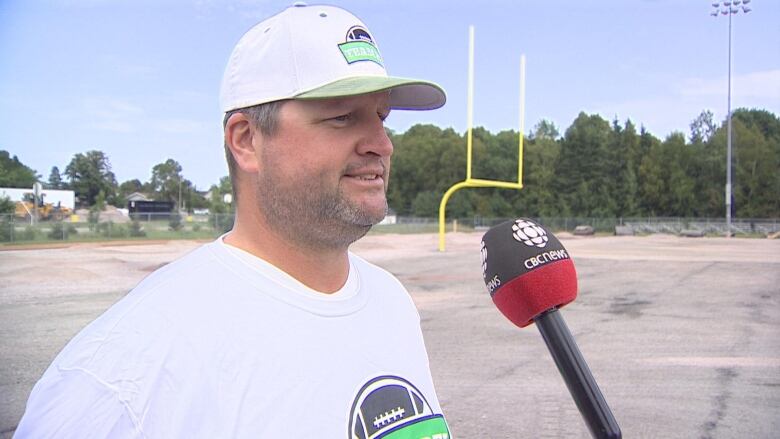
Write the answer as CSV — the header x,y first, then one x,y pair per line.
x,y
159,318
148,313
190,264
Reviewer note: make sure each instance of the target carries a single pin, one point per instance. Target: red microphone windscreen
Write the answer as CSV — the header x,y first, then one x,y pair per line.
x,y
525,297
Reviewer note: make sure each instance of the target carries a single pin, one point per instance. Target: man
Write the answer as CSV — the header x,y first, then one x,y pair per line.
x,y
275,329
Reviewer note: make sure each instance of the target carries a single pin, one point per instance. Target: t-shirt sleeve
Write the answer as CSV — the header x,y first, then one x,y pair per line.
x,y
76,404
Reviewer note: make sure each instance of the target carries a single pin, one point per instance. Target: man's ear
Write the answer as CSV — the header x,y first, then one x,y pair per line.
x,y
240,135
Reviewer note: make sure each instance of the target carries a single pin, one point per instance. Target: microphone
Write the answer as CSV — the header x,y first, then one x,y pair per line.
x,y
530,276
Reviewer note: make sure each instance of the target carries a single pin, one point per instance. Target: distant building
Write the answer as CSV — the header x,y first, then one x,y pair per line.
x,y
150,209
137,196
390,218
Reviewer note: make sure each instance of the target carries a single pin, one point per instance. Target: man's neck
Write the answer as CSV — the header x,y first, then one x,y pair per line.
x,y
325,271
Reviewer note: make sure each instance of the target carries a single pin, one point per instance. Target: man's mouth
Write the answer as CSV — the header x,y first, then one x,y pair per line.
x,y
367,180
371,173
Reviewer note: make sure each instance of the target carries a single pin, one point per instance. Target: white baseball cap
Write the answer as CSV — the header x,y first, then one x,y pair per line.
x,y
315,52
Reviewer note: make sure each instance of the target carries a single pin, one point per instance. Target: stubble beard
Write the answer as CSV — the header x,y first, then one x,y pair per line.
x,y
311,216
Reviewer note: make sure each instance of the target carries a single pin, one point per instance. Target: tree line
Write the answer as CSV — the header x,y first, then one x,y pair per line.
x,y
91,177
596,168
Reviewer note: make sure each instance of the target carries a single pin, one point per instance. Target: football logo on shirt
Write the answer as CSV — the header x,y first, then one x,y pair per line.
x,y
390,407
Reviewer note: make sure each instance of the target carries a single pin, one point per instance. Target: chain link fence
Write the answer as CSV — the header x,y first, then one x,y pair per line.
x,y
184,226
95,228
639,226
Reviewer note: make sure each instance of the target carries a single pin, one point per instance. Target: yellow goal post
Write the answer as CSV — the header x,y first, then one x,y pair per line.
x,y
477,182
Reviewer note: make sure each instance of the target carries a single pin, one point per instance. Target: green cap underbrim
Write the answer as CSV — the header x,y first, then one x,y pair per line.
x,y
405,94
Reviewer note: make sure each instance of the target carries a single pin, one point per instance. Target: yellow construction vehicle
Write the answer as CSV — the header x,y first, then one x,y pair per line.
x,y
26,209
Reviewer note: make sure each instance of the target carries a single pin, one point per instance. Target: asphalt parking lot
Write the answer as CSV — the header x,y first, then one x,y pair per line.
x,y
683,335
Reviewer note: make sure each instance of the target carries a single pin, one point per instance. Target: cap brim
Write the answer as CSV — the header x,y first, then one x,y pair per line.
x,y
405,94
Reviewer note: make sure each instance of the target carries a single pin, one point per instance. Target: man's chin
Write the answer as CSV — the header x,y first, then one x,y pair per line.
x,y
367,219
369,215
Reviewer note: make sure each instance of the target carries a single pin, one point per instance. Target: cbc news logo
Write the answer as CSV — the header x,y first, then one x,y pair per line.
x,y
529,233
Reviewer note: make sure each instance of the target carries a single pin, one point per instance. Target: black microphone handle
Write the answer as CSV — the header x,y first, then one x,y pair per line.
x,y
576,374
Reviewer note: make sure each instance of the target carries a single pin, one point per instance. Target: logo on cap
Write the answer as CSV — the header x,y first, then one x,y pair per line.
x,y
529,233
360,46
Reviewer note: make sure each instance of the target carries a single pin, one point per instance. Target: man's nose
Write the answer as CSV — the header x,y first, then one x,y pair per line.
x,y
376,141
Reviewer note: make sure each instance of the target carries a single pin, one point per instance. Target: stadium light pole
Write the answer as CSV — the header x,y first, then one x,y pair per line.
x,y
719,9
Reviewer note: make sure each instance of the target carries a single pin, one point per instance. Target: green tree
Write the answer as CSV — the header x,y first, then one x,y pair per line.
x,y
130,186
194,199
710,170
94,210
620,173
426,158
495,156
168,183
55,179
216,203
7,208
426,204
652,184
703,127
583,167
648,173
126,188
89,174
225,186
596,169
668,179
628,201
756,164
765,122
14,173
538,196
545,130
681,179
755,160
220,213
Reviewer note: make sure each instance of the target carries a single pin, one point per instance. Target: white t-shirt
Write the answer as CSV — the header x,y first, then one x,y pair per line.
x,y
221,344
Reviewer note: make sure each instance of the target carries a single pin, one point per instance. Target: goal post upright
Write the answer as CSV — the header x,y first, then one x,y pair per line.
x,y
476,182
522,122
470,105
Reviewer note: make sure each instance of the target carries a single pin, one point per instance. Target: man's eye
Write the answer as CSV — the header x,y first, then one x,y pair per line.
x,y
342,118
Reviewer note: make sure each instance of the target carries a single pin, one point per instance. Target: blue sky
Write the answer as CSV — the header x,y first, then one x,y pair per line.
x,y
140,79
